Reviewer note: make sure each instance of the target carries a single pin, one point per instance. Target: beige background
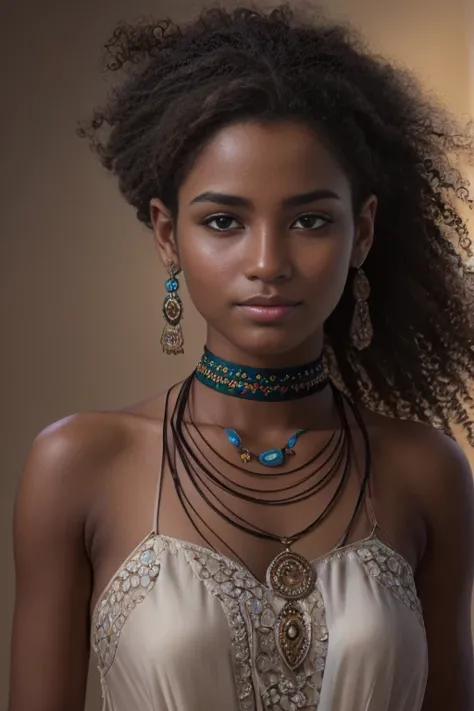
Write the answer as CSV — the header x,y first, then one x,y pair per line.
x,y
81,286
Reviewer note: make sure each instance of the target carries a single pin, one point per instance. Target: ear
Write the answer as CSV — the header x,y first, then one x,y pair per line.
x,y
164,233
364,235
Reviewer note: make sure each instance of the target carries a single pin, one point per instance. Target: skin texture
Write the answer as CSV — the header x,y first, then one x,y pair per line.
x,y
86,496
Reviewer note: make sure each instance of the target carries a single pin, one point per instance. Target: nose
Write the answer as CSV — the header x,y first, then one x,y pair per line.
x,y
267,256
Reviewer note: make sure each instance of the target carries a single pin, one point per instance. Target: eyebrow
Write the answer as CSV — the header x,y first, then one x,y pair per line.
x,y
292,201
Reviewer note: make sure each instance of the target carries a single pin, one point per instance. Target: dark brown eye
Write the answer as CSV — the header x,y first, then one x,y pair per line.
x,y
310,221
222,223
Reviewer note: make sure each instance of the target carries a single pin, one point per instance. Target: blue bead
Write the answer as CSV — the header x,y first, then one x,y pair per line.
x,y
172,285
292,441
233,437
272,458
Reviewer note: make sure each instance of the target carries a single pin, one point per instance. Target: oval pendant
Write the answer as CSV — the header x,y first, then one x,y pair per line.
x,y
291,576
293,635
172,309
233,437
272,458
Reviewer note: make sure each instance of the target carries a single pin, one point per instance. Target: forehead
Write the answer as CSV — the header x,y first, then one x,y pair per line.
x,y
273,159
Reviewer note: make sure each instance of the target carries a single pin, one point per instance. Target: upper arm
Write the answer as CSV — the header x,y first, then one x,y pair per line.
x,y
50,647
445,578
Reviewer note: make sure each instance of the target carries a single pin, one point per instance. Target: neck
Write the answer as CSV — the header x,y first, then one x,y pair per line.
x,y
306,352
315,412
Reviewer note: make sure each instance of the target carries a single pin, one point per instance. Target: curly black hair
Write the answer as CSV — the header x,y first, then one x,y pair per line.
x,y
390,137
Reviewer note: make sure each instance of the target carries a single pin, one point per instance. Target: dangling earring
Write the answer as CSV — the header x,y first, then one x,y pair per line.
x,y
172,336
362,330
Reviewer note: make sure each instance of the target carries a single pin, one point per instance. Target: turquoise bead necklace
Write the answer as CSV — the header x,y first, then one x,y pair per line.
x,y
270,457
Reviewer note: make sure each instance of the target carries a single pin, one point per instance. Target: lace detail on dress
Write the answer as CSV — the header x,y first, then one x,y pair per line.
x,y
393,572
127,589
233,587
252,613
282,689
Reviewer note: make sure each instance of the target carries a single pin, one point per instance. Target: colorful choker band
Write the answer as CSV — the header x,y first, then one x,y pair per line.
x,y
264,384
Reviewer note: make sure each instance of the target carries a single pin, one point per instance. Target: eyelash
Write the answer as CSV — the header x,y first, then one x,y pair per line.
x,y
212,218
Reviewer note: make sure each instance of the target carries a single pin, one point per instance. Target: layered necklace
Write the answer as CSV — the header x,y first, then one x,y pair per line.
x,y
289,576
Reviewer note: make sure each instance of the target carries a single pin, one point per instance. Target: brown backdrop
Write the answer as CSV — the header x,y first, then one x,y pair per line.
x,y
81,286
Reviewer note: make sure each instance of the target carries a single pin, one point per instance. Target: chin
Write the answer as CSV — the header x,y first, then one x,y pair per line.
x,y
280,344
271,342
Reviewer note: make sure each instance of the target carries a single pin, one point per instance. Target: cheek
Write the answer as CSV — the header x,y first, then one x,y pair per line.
x,y
326,267
207,275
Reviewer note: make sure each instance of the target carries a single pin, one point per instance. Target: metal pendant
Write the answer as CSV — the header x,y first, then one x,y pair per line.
x,y
172,340
291,576
172,309
293,635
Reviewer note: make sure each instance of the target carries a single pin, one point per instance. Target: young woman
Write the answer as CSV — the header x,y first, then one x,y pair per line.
x,y
289,528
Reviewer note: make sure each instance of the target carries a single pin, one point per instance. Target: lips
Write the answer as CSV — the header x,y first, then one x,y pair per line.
x,y
275,300
268,309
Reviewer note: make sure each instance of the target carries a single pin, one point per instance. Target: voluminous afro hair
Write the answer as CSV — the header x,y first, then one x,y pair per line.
x,y
392,139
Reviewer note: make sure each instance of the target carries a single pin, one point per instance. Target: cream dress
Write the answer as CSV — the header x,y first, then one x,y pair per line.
x,y
183,628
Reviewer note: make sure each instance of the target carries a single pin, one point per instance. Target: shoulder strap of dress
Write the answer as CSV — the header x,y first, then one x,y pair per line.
x,y
364,498
159,485
369,507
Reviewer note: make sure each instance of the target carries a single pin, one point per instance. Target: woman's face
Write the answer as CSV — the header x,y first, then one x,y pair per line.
x,y
265,236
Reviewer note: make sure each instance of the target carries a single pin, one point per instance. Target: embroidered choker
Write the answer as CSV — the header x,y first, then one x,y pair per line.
x,y
266,384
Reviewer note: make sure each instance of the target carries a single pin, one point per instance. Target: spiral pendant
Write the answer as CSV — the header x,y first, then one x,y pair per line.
x,y
291,576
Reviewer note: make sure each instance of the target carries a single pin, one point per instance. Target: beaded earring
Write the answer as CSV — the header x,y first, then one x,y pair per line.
x,y
362,330
172,336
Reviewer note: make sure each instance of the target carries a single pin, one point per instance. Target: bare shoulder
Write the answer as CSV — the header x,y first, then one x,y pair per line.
x,y
70,466
436,473
432,467
97,436
431,459
73,455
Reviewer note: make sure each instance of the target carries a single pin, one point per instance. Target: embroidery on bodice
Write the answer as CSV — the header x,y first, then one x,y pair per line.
x,y
247,602
252,613
389,569
127,589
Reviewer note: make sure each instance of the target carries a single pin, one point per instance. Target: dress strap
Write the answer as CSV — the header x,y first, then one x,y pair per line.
x,y
364,497
367,481
369,507
159,485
